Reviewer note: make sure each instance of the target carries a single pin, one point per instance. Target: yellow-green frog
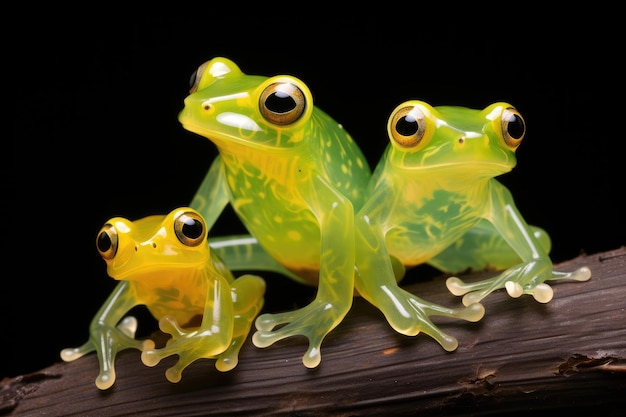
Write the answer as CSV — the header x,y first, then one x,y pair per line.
x,y
164,262
433,199
295,178
293,175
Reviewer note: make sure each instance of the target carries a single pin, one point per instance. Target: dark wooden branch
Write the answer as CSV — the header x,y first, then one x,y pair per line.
x,y
569,354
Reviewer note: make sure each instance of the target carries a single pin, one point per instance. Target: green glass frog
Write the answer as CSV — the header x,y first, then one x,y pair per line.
x,y
165,263
433,199
293,175
295,178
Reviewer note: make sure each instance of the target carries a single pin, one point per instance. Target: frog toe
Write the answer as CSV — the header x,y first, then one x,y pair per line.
x,y
264,338
473,312
174,374
266,322
581,274
474,297
514,289
106,379
456,286
227,363
543,293
71,354
151,357
313,357
447,342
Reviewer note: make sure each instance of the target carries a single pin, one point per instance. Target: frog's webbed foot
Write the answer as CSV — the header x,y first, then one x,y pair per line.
x,y
410,315
521,279
314,321
107,342
189,344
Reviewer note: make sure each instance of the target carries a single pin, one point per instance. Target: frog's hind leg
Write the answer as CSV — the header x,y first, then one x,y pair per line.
x,y
248,298
483,248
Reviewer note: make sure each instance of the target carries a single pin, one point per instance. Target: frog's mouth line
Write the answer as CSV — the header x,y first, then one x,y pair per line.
x,y
158,271
227,141
463,167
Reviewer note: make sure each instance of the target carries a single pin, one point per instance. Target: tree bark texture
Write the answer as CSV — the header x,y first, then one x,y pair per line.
x,y
523,356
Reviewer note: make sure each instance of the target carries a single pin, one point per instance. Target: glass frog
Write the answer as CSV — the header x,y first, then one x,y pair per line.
x,y
294,177
165,263
434,199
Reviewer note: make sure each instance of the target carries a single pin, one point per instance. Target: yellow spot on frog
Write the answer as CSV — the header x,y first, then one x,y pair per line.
x,y
294,235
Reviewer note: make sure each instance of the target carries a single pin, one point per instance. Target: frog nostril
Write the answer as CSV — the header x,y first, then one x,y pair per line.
x,y
136,248
461,140
154,245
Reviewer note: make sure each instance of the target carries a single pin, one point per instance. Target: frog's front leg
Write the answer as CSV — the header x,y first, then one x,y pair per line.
x,y
527,277
405,312
248,298
107,337
213,194
207,341
336,277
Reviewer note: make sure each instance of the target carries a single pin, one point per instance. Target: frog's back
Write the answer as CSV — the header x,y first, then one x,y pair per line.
x,y
342,161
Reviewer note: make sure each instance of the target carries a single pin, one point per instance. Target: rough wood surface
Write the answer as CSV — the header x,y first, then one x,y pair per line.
x,y
567,355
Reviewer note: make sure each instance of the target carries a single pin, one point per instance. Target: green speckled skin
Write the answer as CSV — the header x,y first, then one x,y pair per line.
x,y
434,199
294,177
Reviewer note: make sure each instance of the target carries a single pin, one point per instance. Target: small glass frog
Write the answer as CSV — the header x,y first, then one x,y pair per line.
x,y
434,199
164,262
294,177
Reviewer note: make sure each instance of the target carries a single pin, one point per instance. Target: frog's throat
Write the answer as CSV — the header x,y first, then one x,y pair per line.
x,y
157,271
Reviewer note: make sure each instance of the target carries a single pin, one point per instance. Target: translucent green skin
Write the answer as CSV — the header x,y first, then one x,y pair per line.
x,y
294,177
433,199
177,277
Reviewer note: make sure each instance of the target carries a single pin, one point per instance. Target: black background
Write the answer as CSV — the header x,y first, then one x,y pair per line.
x,y
96,132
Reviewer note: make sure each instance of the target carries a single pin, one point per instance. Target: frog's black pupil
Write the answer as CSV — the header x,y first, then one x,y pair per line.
x,y
515,127
104,242
407,126
280,102
192,228
192,79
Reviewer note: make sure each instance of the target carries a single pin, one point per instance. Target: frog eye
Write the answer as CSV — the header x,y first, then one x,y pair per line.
x,y
196,76
190,228
106,241
407,126
513,127
282,103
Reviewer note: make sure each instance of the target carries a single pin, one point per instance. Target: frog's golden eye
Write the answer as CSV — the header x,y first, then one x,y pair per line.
x,y
190,228
106,241
282,103
195,78
407,126
513,127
